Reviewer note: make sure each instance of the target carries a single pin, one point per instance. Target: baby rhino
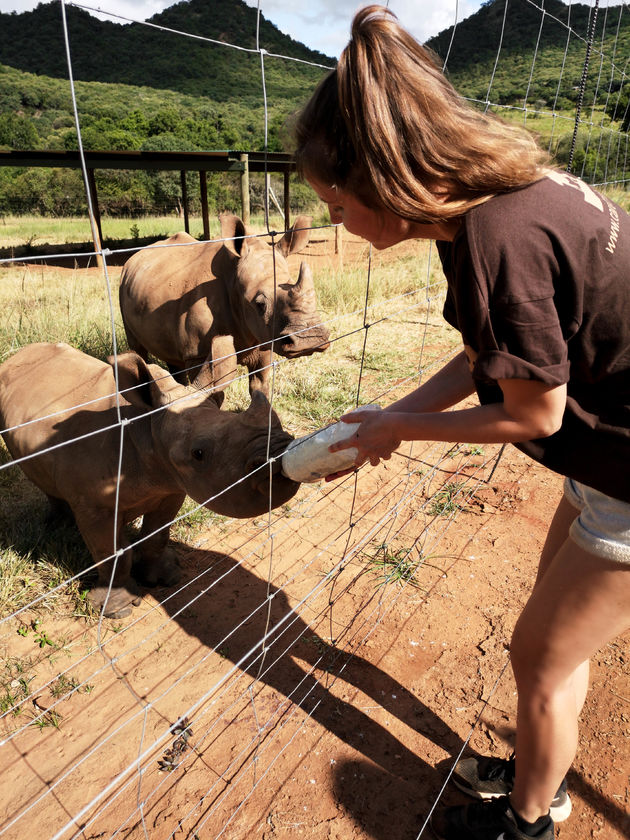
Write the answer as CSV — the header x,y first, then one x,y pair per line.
x,y
59,412
205,307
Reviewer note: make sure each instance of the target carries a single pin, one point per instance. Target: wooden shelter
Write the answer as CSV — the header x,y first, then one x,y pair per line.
x,y
241,163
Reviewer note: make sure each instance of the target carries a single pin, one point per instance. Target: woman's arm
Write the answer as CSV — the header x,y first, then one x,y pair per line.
x,y
450,385
530,409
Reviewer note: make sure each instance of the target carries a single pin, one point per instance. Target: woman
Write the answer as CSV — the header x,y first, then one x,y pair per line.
x,y
537,265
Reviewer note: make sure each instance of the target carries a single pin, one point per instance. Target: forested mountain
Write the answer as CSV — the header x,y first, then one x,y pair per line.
x,y
535,57
137,54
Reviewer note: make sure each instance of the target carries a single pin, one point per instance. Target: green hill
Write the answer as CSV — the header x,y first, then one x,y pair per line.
x,y
136,54
541,56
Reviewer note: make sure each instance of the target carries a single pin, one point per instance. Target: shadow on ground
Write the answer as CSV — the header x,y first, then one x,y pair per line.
x,y
75,254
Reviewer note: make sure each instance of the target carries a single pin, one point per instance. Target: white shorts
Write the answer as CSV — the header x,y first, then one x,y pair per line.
x,y
603,526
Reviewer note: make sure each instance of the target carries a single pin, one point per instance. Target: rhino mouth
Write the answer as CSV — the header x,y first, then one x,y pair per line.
x,y
279,481
261,472
301,344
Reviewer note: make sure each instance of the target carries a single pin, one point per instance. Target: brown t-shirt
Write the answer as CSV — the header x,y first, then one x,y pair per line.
x,y
539,287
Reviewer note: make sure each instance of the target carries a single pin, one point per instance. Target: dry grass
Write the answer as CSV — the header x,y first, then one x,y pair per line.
x,y
374,356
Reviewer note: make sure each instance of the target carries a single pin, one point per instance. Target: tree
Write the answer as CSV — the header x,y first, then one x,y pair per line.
x,y
17,132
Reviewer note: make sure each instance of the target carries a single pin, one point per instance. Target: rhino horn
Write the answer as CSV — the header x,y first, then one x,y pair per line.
x,y
304,286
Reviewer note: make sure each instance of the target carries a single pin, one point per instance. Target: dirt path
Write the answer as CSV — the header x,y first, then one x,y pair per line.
x,y
348,739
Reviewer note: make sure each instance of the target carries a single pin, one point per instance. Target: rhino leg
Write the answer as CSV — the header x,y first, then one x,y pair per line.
x,y
153,563
59,512
260,372
220,367
134,343
97,529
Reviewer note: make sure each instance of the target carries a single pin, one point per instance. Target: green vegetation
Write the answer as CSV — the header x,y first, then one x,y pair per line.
x,y
42,306
140,88
136,54
535,78
532,68
448,499
393,566
36,231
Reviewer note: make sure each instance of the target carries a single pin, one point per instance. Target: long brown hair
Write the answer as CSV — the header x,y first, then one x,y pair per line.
x,y
387,126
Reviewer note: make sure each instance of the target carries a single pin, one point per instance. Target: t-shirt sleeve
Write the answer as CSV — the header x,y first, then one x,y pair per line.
x,y
449,312
523,341
505,302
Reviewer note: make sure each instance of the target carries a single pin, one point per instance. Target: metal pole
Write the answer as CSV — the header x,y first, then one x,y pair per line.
x,y
287,201
95,217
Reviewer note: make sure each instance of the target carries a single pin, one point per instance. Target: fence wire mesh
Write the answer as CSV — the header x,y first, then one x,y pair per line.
x,y
183,719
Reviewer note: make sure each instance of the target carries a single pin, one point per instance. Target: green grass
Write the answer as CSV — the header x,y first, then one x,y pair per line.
x,y
36,558
195,519
392,565
448,499
44,304
16,231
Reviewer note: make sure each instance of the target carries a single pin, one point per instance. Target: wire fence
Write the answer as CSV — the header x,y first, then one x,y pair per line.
x,y
184,718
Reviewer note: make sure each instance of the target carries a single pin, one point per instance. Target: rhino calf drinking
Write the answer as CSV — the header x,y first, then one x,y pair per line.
x,y
204,307
176,442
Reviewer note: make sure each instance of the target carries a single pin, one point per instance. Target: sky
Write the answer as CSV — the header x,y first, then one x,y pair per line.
x,y
322,25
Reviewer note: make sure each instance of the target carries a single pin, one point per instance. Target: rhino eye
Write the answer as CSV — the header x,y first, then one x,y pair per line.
x,y
260,302
198,454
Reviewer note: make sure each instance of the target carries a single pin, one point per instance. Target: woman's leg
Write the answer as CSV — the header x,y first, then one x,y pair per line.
x,y
579,603
556,536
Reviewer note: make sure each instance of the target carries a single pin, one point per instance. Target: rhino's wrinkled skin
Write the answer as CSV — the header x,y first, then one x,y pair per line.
x,y
203,307
176,442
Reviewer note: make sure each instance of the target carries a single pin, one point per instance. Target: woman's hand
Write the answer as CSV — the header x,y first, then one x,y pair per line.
x,y
375,439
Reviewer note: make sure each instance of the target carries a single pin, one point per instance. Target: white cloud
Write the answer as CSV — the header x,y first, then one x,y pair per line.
x,y
325,24
133,9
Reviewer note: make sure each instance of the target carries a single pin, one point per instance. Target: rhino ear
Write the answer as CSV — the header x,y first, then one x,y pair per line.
x,y
136,381
233,231
296,237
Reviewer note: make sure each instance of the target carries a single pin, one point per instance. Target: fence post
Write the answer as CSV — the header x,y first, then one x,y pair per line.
x,y
203,186
245,188
287,201
95,218
182,176
339,241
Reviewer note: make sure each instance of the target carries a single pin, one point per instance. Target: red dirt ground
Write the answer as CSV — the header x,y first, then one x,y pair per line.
x,y
364,754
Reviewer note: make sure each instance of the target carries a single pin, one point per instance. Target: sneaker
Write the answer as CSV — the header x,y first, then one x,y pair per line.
x,y
486,778
486,820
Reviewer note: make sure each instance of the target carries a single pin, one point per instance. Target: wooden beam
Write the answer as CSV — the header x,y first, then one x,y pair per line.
x,y
182,176
245,209
203,185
